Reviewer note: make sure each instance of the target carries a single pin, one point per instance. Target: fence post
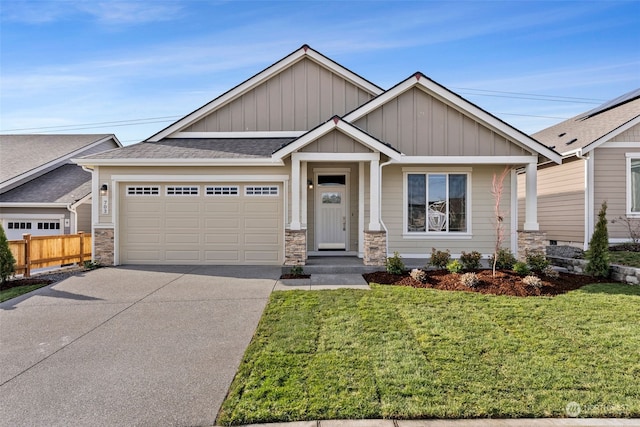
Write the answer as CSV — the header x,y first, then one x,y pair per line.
x,y
27,254
81,234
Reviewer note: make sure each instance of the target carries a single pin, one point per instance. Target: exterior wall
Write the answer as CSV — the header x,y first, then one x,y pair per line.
x,y
561,199
482,238
335,142
418,124
299,98
84,217
610,184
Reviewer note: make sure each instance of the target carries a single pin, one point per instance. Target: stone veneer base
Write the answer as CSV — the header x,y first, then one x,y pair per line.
x,y
375,248
103,244
530,241
295,247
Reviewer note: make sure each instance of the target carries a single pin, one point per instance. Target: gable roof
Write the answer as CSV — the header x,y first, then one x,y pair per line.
x,y
587,131
23,157
66,184
461,104
303,52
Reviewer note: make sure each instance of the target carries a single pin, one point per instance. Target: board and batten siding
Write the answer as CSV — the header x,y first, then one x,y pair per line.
x,y
610,178
481,213
335,142
296,99
630,135
418,124
561,199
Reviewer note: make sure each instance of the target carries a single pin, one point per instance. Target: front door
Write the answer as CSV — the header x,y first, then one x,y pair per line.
x,y
331,227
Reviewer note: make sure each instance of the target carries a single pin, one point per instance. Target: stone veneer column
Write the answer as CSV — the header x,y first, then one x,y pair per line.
x,y
103,244
375,247
295,247
531,241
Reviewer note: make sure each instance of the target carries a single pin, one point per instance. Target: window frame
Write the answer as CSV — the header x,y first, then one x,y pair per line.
x,y
222,190
629,158
182,190
405,203
154,190
265,190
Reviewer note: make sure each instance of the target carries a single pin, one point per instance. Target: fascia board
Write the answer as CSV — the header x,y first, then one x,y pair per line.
x,y
610,135
305,139
32,205
178,162
468,160
344,72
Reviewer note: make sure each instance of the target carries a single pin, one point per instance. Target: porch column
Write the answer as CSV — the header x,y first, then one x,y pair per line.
x,y
304,192
295,194
531,201
374,192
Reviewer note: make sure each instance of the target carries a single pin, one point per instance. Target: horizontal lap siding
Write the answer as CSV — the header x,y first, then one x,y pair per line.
x,y
482,205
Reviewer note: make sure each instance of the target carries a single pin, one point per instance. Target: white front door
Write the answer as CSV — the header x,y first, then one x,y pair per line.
x,y
331,227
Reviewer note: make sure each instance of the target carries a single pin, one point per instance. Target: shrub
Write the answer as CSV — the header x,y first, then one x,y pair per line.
x,y
598,253
521,268
505,260
470,261
296,270
7,261
551,273
532,281
537,261
419,274
454,266
394,264
469,280
440,259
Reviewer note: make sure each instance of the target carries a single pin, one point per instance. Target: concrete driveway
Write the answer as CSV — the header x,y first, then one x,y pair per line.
x,y
145,346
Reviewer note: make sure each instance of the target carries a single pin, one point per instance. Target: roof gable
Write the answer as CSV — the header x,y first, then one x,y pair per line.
x,y
455,125
292,95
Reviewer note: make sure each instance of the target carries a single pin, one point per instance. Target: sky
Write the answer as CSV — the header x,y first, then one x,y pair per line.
x,y
134,67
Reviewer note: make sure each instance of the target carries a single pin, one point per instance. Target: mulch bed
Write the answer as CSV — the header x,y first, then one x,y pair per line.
x,y
295,276
504,283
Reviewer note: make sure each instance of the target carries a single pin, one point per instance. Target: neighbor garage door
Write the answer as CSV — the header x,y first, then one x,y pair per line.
x,y
201,223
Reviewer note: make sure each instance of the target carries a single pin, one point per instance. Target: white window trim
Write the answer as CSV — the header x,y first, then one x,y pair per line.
x,y
129,187
182,187
436,234
630,156
277,187
212,189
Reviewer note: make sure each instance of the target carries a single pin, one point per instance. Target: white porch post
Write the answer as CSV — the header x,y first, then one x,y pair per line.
x,y
304,193
531,201
374,195
361,178
295,193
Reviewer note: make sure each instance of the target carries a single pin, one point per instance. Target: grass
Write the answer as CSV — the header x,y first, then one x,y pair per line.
x,y
402,353
628,258
11,293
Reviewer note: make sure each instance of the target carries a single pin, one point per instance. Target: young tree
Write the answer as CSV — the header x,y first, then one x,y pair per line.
x,y
497,187
7,261
598,253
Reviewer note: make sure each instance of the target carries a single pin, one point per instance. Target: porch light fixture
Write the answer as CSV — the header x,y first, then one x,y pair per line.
x,y
310,184
104,190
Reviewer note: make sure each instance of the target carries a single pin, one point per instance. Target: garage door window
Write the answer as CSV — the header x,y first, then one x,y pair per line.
x,y
183,191
143,191
261,191
19,225
49,225
229,190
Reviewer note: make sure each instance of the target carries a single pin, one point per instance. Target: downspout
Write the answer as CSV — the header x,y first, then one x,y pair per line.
x,y
386,250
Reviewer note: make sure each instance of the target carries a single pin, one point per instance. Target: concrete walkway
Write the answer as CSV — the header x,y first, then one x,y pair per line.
x,y
128,346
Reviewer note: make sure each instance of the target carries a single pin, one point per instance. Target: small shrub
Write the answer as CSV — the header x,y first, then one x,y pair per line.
x,y
598,253
297,270
470,261
470,280
394,264
506,259
440,259
454,266
537,261
521,268
532,281
419,274
7,261
551,273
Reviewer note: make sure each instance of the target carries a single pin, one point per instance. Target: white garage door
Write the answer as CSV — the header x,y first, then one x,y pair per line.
x,y
15,228
201,223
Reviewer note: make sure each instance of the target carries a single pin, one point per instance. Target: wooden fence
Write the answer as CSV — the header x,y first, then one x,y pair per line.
x,y
46,251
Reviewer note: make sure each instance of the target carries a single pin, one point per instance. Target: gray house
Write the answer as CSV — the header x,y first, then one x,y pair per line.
x,y
41,191
309,158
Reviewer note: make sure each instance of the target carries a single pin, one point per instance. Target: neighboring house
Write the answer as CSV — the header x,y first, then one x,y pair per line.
x,y
601,162
308,158
41,191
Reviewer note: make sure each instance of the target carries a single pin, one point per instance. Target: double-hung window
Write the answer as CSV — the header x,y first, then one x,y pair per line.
x,y
437,203
633,184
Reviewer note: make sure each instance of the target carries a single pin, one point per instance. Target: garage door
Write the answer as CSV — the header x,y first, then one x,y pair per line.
x,y
224,223
15,228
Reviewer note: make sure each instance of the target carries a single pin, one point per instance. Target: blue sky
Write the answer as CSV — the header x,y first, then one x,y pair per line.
x,y
133,67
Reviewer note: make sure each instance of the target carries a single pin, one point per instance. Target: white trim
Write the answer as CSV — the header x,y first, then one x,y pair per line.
x,y
531,198
628,158
247,85
610,135
261,190
361,178
374,196
54,164
429,169
424,255
336,157
32,205
221,189
460,104
181,162
15,216
199,178
620,144
590,198
433,235
295,224
243,134
513,235
180,190
332,253
105,226
155,191
469,160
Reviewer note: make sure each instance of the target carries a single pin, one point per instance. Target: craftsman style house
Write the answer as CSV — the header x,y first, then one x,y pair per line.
x,y
307,158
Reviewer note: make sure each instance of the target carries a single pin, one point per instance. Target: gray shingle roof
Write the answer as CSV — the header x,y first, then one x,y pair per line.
x,y
183,148
582,130
66,184
22,153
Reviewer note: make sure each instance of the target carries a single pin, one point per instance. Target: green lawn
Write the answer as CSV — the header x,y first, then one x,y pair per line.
x,y
10,293
628,258
397,352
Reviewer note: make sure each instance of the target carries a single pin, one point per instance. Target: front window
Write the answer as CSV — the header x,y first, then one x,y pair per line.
x,y
437,202
634,184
